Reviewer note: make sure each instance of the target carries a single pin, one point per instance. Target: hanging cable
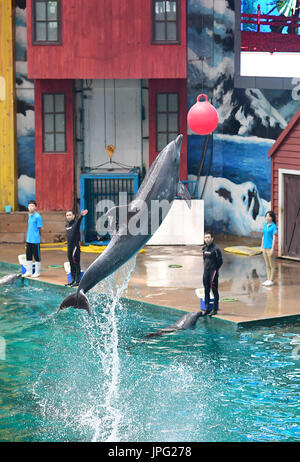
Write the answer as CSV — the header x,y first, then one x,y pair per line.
x,y
115,115
202,162
104,111
209,165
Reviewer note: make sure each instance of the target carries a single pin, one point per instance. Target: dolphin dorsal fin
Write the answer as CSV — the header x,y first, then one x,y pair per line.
x,y
184,194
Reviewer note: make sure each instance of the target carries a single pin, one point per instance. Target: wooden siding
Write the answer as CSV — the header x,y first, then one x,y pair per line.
x,y
8,157
54,172
109,39
167,86
285,154
13,227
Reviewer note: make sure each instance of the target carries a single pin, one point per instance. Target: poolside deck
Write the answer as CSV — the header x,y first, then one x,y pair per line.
x,y
154,281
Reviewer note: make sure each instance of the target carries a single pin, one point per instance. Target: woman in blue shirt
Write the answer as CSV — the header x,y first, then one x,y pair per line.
x,y
268,246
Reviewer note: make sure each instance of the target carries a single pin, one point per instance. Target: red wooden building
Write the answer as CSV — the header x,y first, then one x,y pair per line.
x,y
106,72
285,188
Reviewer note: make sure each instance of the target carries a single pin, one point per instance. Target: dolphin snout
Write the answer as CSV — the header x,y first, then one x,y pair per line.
x,y
178,141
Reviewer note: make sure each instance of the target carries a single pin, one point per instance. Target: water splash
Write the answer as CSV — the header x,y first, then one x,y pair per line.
x,y
86,394
113,287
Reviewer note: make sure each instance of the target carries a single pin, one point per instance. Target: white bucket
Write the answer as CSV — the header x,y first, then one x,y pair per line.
x,y
22,261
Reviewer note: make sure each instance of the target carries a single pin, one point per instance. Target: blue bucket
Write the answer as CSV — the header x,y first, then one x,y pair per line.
x,y
8,208
69,277
202,304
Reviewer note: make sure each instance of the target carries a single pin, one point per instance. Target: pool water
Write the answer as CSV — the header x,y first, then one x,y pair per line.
x,y
69,377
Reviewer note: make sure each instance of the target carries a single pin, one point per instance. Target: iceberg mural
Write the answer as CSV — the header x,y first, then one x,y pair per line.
x,y
233,208
251,119
26,189
25,113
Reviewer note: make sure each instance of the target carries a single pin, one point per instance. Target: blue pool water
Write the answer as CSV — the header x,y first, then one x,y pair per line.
x,y
74,378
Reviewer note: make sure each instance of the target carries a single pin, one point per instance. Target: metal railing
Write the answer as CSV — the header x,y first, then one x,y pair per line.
x,y
276,23
98,187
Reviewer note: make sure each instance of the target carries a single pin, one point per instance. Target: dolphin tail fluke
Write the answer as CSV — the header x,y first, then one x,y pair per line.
x,y
76,300
158,333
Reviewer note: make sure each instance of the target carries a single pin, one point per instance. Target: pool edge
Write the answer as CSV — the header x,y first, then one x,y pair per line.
x,y
216,320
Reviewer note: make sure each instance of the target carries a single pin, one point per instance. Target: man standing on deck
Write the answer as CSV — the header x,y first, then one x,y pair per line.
x,y
212,258
73,238
33,240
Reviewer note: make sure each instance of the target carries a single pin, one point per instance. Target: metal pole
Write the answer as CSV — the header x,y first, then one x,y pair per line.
x,y
82,126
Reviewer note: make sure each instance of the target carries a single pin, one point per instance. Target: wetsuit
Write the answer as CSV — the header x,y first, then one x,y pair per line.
x,y
212,263
73,238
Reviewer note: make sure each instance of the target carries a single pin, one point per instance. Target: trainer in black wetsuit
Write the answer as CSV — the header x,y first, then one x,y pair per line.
x,y
73,238
213,261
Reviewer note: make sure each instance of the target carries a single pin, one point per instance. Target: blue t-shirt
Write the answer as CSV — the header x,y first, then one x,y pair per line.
x,y
269,231
35,222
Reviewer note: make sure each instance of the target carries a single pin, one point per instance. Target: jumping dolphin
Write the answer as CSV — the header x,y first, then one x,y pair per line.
x,y
9,278
161,183
185,322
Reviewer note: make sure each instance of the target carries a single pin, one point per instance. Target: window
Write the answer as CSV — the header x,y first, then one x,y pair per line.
x,y
54,123
165,22
46,25
167,119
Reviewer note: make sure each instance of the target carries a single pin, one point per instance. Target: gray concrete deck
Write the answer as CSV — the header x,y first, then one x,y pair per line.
x,y
154,281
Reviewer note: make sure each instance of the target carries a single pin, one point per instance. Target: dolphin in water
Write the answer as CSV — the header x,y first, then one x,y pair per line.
x,y
185,322
161,185
9,278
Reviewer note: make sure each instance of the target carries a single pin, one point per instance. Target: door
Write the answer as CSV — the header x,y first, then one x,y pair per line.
x,y
292,216
112,116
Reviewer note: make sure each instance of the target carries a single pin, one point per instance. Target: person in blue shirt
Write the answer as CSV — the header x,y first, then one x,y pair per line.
x,y
33,240
268,246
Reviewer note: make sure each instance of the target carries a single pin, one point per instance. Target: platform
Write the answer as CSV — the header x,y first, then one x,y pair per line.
x,y
168,276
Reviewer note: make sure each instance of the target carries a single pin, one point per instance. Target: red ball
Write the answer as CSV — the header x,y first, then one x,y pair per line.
x,y
202,118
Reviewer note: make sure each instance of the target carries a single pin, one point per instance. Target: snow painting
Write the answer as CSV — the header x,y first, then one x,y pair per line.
x,y
236,171
25,113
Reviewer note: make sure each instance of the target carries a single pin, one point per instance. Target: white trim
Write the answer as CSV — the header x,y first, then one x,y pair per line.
x,y
281,173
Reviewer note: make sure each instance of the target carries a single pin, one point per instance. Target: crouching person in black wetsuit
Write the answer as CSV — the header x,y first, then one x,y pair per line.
x,y
73,238
213,261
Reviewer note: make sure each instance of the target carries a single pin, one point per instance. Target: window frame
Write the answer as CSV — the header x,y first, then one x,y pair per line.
x,y
34,21
54,132
165,21
167,112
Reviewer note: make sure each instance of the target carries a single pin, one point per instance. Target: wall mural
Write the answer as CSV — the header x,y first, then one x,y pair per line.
x,y
235,181
25,113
